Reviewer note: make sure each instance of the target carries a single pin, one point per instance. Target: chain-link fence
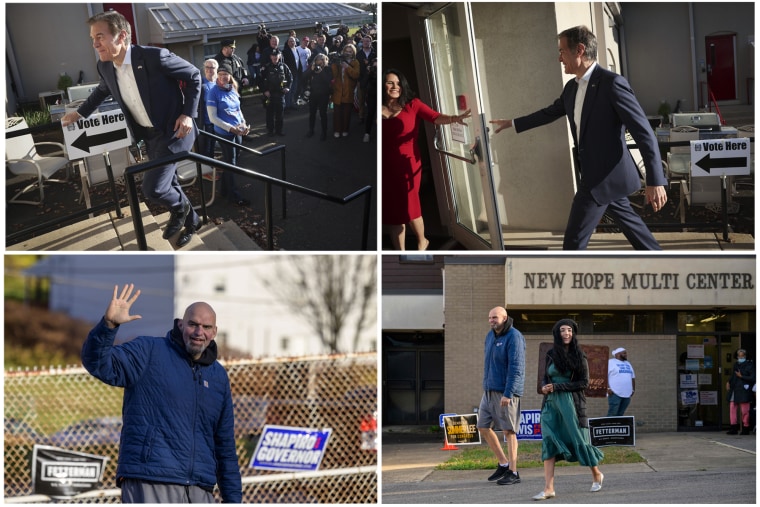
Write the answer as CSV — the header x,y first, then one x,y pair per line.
x,y
72,410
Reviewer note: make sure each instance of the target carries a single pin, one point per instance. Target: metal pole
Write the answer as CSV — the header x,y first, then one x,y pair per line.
x,y
724,205
365,225
283,190
112,184
134,205
268,214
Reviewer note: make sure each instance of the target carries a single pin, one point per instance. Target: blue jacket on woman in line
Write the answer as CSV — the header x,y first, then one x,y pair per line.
x,y
504,369
178,423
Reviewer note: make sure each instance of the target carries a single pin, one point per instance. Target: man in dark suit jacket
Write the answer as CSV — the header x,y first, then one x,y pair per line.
x,y
158,93
599,115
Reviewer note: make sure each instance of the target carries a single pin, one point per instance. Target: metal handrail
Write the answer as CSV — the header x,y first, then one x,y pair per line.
x,y
132,171
129,177
269,150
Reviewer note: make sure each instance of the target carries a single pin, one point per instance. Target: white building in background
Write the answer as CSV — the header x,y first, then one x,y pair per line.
x,y
250,318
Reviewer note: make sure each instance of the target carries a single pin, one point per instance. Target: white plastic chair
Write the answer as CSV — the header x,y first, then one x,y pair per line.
x,y
22,160
187,173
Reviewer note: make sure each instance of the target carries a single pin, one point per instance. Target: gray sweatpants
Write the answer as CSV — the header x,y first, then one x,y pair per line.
x,y
139,491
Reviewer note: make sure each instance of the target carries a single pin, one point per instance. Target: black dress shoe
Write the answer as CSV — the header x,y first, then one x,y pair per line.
x,y
184,238
177,220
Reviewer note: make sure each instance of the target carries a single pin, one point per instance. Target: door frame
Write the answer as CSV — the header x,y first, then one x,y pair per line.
x,y
710,62
480,150
720,354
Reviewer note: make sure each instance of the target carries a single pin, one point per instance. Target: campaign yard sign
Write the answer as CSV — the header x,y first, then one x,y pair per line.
x,y
530,425
59,473
98,133
290,449
612,431
461,429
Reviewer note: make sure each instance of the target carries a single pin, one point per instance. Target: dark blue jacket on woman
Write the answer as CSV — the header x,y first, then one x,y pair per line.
x,y
178,419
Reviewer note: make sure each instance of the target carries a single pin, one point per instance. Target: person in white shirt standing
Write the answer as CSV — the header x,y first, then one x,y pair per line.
x,y
621,383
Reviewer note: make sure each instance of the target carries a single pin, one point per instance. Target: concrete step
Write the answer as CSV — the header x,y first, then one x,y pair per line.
x,y
222,236
106,232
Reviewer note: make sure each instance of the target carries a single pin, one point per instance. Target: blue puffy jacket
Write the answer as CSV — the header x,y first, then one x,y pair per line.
x,y
178,419
504,369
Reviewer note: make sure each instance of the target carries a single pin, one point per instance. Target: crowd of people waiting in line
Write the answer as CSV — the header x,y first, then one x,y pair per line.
x,y
324,70
328,69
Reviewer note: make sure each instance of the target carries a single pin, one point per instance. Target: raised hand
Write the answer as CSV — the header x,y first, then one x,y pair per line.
x,y
117,312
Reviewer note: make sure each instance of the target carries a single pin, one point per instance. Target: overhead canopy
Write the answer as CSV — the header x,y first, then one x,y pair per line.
x,y
178,22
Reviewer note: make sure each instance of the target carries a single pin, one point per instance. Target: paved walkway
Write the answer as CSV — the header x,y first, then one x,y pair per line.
x,y
694,467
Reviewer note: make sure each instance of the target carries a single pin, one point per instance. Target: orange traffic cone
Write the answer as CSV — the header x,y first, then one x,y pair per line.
x,y
447,446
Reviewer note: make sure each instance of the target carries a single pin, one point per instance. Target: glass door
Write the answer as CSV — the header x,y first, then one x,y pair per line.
x,y
700,382
468,166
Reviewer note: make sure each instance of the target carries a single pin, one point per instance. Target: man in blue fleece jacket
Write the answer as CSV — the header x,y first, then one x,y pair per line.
x,y
178,437
503,384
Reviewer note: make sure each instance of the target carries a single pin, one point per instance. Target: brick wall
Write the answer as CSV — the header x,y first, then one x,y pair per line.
x,y
470,293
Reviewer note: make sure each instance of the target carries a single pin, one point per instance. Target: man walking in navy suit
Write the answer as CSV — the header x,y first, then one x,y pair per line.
x,y
600,106
158,93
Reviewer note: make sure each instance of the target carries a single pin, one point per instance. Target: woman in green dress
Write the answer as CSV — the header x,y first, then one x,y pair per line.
x,y
564,425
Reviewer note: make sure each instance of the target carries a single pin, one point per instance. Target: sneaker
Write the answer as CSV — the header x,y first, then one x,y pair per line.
x,y
509,478
345,134
336,135
500,472
366,138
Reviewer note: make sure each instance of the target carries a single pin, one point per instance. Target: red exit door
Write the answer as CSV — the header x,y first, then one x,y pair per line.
x,y
126,11
721,66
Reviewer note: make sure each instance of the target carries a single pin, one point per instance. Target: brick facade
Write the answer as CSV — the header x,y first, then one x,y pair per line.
x,y
471,290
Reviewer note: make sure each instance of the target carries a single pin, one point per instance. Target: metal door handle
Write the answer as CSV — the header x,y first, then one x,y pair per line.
x,y
473,151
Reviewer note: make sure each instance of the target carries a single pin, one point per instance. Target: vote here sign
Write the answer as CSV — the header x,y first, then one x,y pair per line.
x,y
718,157
97,133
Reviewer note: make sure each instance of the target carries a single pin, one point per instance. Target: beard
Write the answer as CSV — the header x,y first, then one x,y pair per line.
x,y
195,349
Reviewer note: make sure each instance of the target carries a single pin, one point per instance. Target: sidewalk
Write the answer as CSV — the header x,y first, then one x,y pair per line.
x,y
686,464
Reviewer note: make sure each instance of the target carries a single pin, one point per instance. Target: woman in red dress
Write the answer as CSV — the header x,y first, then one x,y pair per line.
x,y
402,167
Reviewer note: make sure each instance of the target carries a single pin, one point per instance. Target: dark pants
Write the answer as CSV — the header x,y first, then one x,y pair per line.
x,y
370,112
585,215
207,144
229,155
342,116
275,110
616,405
292,95
160,185
318,103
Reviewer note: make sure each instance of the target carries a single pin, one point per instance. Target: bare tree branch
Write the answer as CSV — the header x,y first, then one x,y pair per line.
x,y
330,292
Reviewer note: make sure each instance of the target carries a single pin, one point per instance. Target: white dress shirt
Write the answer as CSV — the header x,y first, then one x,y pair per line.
x,y
129,92
580,95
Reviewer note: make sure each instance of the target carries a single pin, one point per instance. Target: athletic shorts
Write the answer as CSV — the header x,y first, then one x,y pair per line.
x,y
140,491
492,415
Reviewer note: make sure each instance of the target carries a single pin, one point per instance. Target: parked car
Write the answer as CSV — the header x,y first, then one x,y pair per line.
x,y
100,431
